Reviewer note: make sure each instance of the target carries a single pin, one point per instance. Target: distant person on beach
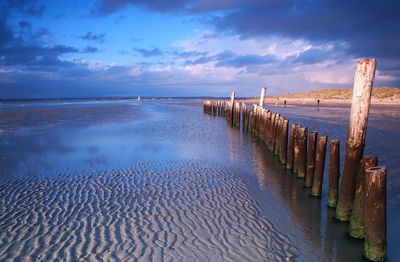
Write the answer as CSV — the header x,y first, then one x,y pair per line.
x,y
284,102
318,102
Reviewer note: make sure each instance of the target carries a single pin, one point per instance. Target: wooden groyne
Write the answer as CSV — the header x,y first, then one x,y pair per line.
x,y
304,152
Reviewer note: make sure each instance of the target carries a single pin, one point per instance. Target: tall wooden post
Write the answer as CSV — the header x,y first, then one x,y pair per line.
x,y
232,97
263,91
362,90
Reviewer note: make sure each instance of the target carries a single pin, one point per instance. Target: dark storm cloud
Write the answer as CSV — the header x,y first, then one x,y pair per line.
x,y
231,59
6,34
19,54
89,36
90,49
370,28
24,24
314,55
26,53
149,52
106,7
28,7
188,54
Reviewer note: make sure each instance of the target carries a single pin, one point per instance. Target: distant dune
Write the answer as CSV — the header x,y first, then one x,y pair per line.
x,y
379,93
380,96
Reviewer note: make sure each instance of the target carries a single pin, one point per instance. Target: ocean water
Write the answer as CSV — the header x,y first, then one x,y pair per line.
x,y
159,180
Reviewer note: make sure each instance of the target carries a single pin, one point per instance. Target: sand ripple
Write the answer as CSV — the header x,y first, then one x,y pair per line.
x,y
181,211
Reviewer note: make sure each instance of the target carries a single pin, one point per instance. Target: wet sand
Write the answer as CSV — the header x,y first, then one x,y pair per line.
x,y
159,180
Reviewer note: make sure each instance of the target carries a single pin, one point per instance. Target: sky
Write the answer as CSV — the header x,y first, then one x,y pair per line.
x,y
128,48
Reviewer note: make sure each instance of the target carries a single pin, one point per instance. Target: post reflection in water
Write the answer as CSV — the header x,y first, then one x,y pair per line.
x,y
329,238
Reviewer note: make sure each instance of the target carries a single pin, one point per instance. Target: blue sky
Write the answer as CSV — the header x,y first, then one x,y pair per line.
x,y
99,48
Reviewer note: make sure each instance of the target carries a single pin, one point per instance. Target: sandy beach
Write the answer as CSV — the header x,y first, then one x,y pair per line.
x,y
159,180
381,98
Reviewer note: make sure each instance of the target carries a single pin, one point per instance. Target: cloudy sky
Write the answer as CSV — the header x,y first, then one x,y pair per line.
x,y
101,48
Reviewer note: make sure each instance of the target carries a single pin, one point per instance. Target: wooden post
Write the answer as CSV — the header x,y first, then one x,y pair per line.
x,y
302,161
278,135
244,116
363,83
290,151
319,166
261,132
311,149
357,220
263,91
271,131
375,213
275,131
296,153
237,114
334,173
251,119
284,138
233,97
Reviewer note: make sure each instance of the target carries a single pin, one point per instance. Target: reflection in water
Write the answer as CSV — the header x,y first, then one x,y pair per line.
x,y
328,237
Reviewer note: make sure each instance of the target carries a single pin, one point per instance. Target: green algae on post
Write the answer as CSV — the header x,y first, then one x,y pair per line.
x,y
375,213
357,224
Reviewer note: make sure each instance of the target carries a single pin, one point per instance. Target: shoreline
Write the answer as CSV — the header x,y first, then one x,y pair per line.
x,y
375,103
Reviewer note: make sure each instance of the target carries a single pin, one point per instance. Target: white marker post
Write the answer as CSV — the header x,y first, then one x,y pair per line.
x,y
263,91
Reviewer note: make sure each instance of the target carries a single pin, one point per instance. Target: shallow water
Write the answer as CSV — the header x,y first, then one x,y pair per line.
x,y
160,180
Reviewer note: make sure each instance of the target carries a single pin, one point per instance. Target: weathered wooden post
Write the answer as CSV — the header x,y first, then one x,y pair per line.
x,y
228,112
357,220
334,173
261,122
284,138
237,114
296,150
251,119
375,213
263,91
363,83
233,97
244,116
311,149
275,131
265,126
271,131
290,151
319,166
278,135
302,161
